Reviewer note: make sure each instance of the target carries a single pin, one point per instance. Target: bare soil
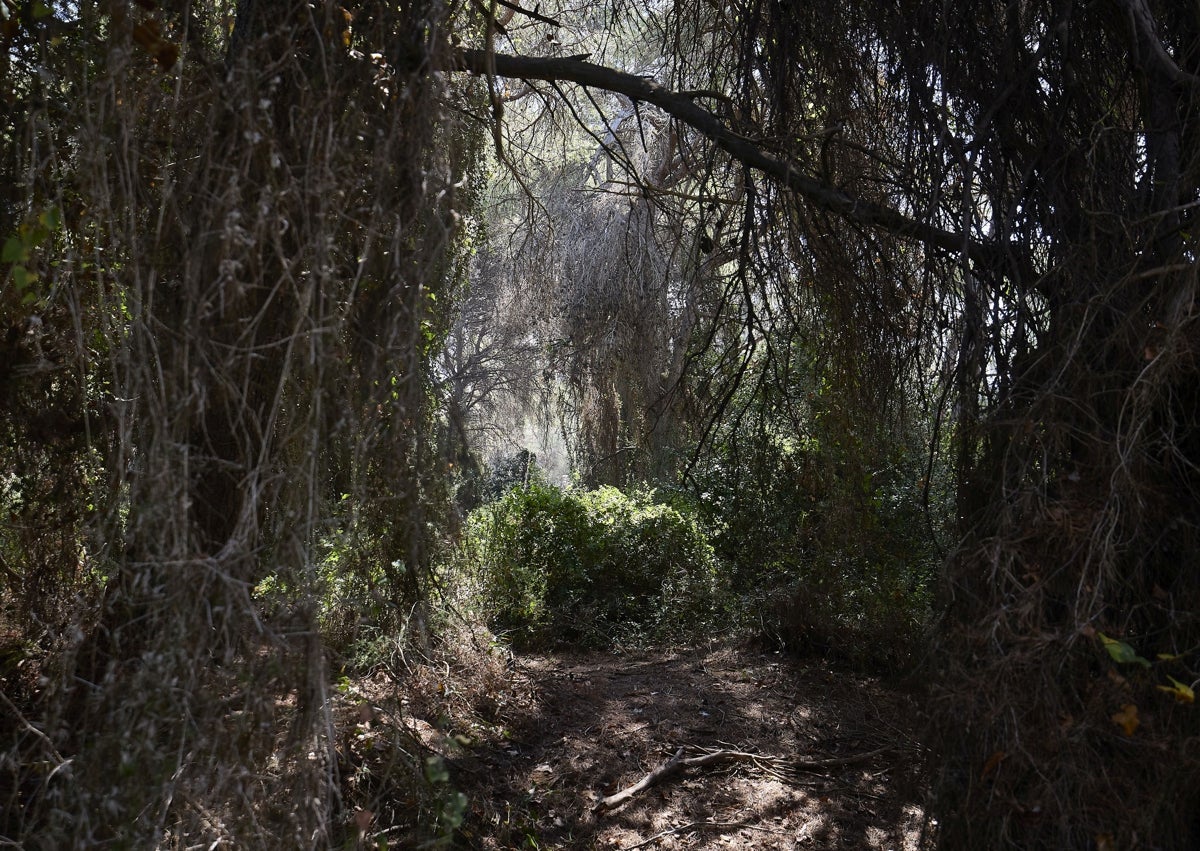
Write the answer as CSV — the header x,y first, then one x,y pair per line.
x,y
816,758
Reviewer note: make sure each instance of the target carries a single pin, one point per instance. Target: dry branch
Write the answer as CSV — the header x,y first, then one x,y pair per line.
x,y
682,107
671,767
678,762
839,761
694,825
665,770
527,13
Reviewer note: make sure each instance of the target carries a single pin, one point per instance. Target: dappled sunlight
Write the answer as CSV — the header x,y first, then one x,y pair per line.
x,y
817,758
405,409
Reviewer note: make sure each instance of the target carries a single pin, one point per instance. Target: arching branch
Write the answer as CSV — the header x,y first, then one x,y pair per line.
x,y
683,108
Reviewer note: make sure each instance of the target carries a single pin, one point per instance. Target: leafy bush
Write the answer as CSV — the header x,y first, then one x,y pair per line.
x,y
825,536
592,568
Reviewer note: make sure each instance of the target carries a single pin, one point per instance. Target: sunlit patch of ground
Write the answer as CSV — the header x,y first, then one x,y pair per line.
x,y
840,764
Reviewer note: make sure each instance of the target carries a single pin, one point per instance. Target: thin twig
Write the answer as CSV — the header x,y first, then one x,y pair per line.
x,y
32,729
695,824
839,761
674,765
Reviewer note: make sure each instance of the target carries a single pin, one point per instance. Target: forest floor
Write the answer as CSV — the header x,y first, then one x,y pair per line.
x,y
784,753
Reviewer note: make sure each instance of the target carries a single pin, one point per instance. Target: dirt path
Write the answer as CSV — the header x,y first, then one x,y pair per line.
x,y
837,761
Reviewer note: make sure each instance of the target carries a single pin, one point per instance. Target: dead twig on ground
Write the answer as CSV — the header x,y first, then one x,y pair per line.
x,y
769,764
663,771
683,828
678,762
839,761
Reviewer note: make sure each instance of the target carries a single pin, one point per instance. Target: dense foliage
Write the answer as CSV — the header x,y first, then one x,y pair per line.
x,y
590,568
828,542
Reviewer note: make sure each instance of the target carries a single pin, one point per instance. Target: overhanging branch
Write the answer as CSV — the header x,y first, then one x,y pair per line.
x,y
683,108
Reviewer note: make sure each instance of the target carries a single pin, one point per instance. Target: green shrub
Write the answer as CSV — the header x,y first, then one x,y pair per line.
x,y
591,569
825,539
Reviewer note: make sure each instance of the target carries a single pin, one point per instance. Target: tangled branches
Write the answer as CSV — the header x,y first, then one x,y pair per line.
x,y
240,297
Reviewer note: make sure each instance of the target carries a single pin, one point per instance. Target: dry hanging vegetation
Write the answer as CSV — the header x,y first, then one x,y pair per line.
x,y
1077,471
876,280
1055,143
976,227
226,312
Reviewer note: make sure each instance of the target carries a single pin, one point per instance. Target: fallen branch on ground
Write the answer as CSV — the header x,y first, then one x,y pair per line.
x,y
673,766
678,762
684,828
838,761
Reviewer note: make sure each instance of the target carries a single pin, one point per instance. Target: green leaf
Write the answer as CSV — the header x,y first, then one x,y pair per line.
x,y
14,251
1121,652
51,219
435,770
22,277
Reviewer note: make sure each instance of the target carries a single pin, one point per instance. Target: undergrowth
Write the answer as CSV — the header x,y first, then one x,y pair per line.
x,y
549,567
545,567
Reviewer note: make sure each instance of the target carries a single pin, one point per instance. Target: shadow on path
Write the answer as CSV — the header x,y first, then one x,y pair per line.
x,y
840,769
